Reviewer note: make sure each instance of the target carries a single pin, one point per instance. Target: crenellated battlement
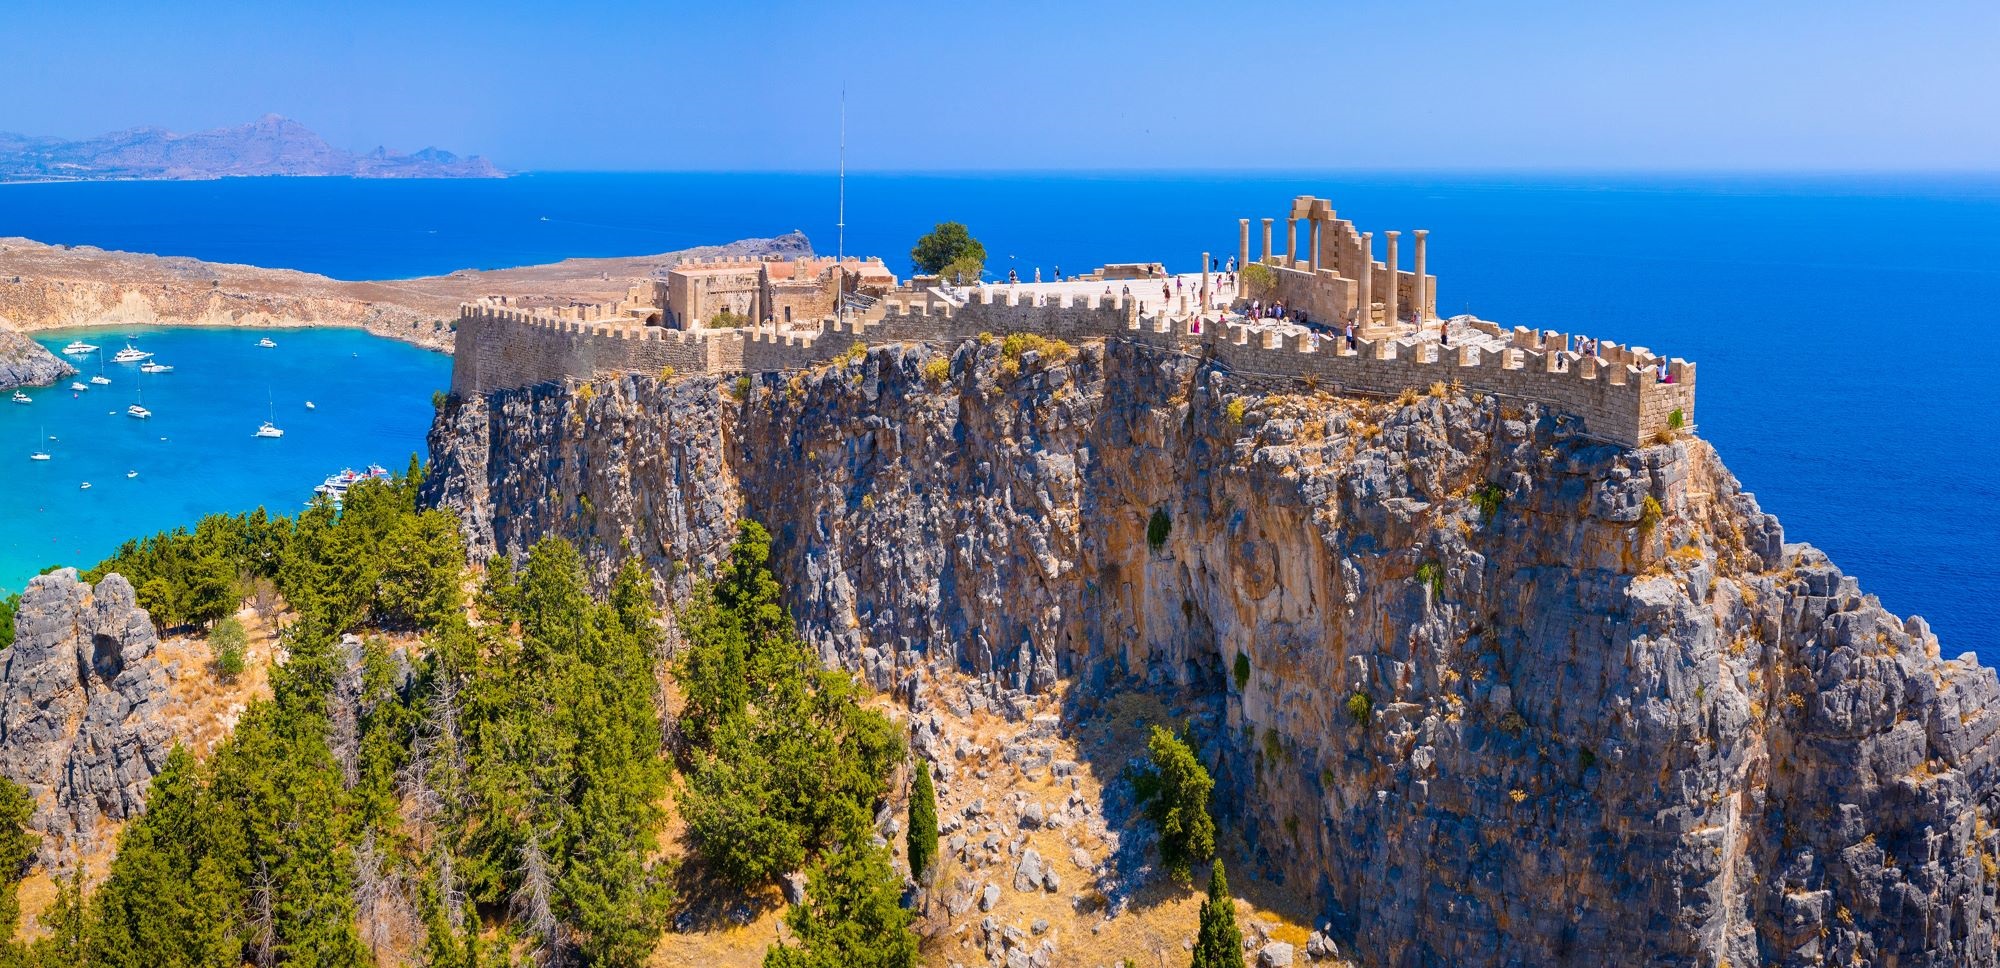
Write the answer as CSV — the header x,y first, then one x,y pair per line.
x,y
1622,394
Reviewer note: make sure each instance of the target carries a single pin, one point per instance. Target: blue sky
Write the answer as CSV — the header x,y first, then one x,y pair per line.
x,y
1590,84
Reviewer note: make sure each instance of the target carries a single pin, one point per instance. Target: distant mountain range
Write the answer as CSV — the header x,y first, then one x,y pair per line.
x,y
271,145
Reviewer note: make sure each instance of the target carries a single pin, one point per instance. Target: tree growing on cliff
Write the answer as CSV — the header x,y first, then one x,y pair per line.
x,y
1174,791
923,833
950,251
1218,943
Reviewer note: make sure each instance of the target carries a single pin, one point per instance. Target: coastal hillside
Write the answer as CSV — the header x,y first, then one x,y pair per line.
x,y
1474,689
270,145
46,286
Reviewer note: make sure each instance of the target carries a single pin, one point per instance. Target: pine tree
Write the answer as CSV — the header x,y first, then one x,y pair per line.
x,y
923,832
17,847
1218,944
68,926
852,916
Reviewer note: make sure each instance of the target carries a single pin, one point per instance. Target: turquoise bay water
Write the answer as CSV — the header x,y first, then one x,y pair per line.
x,y
1842,324
196,454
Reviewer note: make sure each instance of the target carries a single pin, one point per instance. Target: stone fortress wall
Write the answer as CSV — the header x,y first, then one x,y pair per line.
x,y
1617,393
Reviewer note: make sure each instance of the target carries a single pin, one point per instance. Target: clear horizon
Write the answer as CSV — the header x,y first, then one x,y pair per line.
x,y
1461,86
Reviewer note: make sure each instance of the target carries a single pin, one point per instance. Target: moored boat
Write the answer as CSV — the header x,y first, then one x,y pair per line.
x,y
130,354
152,367
20,397
79,348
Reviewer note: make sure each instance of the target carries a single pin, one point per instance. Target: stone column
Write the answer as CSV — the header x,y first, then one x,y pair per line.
x,y
1243,245
1291,241
1423,306
1312,239
1204,279
1267,240
1364,313
1389,298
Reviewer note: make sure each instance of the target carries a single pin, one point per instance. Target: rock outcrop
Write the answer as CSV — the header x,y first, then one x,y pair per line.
x,y
1489,693
25,363
82,708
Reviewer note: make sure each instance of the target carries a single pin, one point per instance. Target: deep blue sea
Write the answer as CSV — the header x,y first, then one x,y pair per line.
x,y
1844,325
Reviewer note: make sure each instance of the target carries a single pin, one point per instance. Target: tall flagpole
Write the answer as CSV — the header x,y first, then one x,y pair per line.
x,y
840,235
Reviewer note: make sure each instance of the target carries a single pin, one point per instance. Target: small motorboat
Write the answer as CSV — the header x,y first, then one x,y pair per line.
x,y
80,387
151,367
79,348
309,405
20,397
267,343
86,486
131,474
130,354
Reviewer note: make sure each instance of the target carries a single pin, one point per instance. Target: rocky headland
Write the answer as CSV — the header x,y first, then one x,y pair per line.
x,y
1476,690
25,363
46,286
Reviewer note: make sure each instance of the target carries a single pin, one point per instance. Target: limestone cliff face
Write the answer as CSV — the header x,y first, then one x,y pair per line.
x,y
1489,693
82,708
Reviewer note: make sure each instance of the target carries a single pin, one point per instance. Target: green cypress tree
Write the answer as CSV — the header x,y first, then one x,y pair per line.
x,y
923,832
1175,794
1218,944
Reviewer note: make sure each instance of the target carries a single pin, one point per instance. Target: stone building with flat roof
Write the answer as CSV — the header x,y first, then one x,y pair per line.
x,y
742,292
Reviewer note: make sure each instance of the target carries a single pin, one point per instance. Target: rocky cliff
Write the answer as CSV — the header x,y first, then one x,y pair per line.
x,y
1486,692
83,723
24,363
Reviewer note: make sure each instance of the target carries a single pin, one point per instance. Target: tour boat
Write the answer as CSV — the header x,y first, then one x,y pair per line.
x,y
79,386
336,486
150,367
130,354
267,343
79,348
20,397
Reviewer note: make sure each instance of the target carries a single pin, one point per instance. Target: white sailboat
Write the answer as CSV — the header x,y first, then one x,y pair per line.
x,y
100,379
79,386
43,453
138,408
267,343
270,429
